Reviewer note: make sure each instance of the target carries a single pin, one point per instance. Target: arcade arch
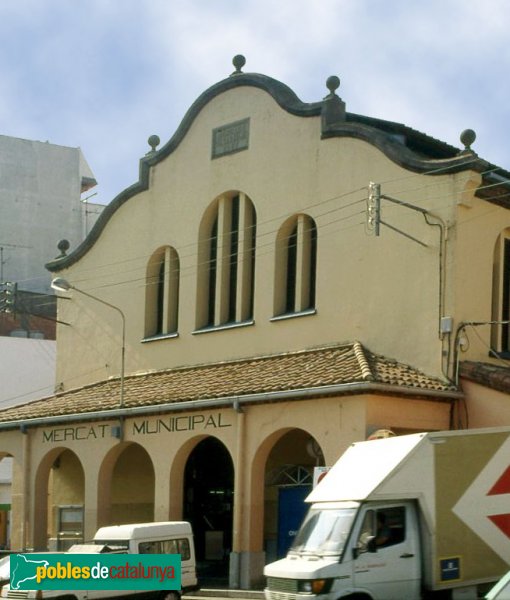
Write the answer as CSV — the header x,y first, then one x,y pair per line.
x,y
177,478
208,496
289,457
126,486
58,500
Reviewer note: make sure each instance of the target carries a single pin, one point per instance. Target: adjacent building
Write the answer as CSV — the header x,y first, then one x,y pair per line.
x,y
43,199
284,279
43,188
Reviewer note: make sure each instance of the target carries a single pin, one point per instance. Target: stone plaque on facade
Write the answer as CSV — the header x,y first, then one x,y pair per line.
x,y
230,138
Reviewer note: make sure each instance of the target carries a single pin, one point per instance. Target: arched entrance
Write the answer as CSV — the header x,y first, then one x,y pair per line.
x,y
288,480
126,486
208,505
59,501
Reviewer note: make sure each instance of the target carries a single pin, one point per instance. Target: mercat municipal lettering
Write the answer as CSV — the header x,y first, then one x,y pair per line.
x,y
183,423
145,427
80,432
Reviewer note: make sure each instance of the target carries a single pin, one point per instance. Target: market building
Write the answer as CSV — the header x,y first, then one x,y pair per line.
x,y
284,279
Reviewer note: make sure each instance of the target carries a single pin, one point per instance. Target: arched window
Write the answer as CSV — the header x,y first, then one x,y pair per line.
x,y
296,266
162,293
500,332
226,264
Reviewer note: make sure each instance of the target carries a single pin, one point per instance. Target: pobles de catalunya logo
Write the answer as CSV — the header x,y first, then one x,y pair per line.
x,y
95,571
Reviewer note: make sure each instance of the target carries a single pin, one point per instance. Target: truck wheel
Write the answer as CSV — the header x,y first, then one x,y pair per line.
x,y
170,596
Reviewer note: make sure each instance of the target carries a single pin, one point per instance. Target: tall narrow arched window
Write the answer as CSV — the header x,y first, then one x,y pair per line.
x,y
500,332
162,293
296,266
226,262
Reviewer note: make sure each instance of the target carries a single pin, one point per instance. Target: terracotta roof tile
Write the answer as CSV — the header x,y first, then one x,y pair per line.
x,y
292,371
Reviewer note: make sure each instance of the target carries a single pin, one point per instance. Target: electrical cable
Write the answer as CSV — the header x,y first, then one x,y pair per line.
x,y
282,216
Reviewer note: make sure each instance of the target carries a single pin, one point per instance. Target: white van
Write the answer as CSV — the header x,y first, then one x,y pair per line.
x,y
168,537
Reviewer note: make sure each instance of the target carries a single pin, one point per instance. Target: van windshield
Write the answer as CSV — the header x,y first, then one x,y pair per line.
x,y
324,531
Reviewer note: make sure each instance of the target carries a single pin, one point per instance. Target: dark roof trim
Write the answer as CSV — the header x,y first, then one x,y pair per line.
x,y
495,377
281,93
407,147
236,401
495,187
401,154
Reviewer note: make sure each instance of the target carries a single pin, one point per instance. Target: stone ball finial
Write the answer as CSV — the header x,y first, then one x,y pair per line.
x,y
153,142
238,61
467,137
63,246
332,83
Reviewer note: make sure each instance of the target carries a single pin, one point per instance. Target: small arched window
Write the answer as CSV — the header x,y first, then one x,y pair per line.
x,y
162,293
296,266
226,264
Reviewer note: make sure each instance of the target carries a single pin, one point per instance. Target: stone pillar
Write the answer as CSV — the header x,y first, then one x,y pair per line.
x,y
161,488
239,483
92,502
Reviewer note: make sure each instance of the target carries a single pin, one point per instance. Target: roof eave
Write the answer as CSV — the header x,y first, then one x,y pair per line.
x,y
237,401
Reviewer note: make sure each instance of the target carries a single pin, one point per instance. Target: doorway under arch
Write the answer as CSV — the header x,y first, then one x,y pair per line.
x,y
59,498
288,480
208,505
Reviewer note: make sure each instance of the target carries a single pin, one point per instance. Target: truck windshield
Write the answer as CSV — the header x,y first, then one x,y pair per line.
x,y
324,531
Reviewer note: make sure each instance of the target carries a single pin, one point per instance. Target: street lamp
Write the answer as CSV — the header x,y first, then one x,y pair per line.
x,y
62,285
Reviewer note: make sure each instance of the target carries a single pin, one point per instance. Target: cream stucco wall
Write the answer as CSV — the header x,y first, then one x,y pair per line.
x,y
382,291
478,228
484,407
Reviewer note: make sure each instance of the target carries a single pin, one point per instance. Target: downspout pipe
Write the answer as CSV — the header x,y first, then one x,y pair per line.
x,y
234,401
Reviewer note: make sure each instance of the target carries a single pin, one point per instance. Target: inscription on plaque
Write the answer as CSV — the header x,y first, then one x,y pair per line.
x,y
230,138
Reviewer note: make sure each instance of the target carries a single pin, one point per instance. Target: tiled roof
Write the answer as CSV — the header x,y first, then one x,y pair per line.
x,y
289,372
493,376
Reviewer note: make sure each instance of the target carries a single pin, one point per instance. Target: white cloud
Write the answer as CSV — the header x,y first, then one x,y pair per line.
x,y
105,74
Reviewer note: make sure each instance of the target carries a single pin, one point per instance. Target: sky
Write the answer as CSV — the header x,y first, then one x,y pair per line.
x,y
104,75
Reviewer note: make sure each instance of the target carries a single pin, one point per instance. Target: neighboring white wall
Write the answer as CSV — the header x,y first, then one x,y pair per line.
x,y
45,193
41,187
27,372
27,369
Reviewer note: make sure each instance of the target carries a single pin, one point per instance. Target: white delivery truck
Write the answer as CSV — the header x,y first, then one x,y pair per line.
x,y
169,537
404,518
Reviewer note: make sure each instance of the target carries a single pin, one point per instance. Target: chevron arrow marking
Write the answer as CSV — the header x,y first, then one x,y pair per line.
x,y
484,506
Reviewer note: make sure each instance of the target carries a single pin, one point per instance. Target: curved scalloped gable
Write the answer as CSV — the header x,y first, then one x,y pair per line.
x,y
326,119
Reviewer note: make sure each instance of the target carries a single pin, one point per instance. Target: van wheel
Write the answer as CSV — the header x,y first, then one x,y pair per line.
x,y
170,596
